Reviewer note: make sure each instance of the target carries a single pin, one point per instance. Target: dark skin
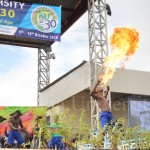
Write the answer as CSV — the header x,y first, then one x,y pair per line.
x,y
15,122
97,94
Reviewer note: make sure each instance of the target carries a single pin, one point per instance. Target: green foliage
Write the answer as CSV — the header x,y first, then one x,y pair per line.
x,y
40,119
97,140
68,130
116,134
83,129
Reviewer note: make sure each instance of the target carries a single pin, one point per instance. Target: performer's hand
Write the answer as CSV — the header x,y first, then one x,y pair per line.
x,y
108,88
23,129
98,82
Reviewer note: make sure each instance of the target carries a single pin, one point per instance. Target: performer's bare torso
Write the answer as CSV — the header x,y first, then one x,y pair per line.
x,y
98,94
102,102
15,122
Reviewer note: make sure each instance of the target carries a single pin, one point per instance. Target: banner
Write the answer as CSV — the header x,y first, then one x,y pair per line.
x,y
30,20
28,117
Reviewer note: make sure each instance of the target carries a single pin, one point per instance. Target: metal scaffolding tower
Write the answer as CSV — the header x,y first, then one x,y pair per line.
x,y
98,47
44,56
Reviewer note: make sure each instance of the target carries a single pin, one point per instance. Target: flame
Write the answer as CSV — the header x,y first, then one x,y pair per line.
x,y
124,42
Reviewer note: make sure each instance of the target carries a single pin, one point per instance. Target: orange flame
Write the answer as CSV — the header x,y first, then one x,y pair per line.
x,y
124,41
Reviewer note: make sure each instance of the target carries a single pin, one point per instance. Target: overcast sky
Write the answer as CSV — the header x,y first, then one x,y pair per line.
x,y
18,65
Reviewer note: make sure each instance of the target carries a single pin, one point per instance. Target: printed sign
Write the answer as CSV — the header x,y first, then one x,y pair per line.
x,y
30,20
28,116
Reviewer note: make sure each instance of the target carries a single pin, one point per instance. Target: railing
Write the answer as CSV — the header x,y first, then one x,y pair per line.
x,y
124,145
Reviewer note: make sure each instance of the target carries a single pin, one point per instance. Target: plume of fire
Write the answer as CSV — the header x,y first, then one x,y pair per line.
x,y
124,42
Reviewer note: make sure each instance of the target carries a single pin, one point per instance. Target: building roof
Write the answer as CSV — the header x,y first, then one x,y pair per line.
x,y
72,10
123,84
63,76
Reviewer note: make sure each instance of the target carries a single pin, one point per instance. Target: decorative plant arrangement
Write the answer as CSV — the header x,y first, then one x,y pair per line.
x,y
76,134
44,133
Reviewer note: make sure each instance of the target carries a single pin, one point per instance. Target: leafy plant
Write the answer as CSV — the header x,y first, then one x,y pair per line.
x,y
39,118
116,134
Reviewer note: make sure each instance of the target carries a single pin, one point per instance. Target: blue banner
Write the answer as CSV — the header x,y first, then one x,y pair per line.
x,y
30,20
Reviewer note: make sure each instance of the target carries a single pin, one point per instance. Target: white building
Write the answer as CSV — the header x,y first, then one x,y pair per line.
x,y
130,94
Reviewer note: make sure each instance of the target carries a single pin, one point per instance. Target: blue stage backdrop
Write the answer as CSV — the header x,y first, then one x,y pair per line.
x,y
30,20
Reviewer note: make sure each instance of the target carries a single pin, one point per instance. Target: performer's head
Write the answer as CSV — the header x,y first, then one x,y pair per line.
x,y
98,89
17,113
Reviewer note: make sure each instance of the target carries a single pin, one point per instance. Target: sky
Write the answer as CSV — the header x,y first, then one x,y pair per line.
x,y
18,65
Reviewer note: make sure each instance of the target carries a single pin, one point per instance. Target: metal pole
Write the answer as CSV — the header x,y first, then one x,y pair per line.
x,y
98,47
43,70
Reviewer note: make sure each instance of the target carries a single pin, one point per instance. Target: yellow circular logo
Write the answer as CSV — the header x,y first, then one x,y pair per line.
x,y
44,19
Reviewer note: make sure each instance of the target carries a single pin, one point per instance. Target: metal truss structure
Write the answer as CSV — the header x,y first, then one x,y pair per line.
x,y
44,56
98,48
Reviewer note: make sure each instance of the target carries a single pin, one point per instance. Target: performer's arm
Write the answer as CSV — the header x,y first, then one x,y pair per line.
x,y
22,127
94,90
106,94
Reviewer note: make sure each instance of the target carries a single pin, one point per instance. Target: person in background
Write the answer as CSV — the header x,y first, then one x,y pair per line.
x,y
56,140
